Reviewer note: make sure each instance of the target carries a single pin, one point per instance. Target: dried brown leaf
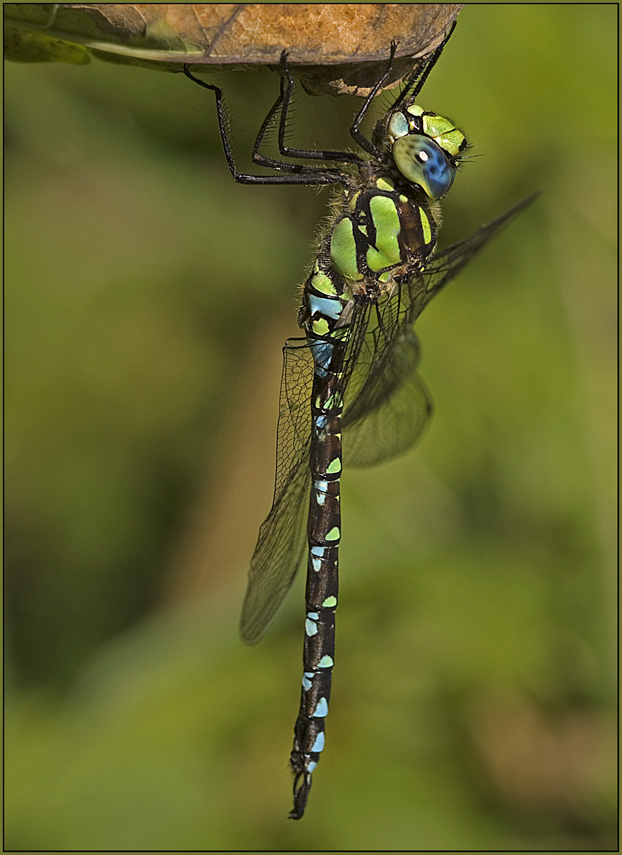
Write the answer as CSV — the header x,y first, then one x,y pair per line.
x,y
334,48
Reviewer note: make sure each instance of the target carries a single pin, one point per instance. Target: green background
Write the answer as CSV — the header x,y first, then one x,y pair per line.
x,y
147,300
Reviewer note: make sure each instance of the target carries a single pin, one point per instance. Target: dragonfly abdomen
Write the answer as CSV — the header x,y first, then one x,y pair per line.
x,y
381,231
322,311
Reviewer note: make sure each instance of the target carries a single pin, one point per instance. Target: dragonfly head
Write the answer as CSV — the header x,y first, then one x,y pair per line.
x,y
425,147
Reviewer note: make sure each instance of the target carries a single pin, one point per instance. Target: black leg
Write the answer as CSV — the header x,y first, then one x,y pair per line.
x,y
355,133
311,154
309,176
420,75
282,103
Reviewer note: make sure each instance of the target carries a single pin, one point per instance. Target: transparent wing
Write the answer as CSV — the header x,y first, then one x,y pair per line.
x,y
277,556
386,408
398,422
281,538
443,266
387,403
282,535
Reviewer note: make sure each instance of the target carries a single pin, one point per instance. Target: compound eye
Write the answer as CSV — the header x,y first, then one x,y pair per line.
x,y
423,162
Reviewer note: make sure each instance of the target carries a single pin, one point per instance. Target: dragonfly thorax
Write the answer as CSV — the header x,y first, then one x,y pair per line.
x,y
424,147
383,229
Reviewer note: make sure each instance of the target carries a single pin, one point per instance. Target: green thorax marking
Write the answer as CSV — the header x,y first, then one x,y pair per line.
x,y
343,253
425,226
387,226
323,283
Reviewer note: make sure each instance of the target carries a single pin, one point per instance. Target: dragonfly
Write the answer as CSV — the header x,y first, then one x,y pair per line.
x,y
354,372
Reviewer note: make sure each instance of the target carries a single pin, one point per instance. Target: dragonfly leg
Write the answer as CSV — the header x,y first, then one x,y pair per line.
x,y
420,73
301,175
355,131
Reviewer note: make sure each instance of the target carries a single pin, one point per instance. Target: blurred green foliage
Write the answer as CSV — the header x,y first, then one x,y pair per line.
x,y
147,300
